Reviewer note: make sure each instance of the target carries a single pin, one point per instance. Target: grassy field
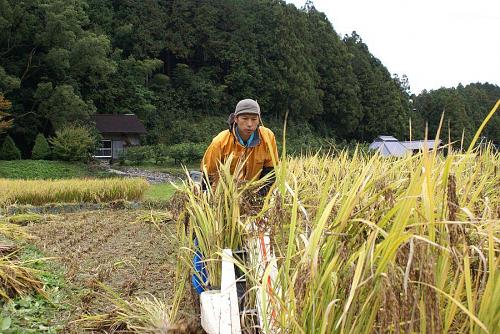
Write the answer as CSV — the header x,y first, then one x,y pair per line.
x,y
161,192
43,169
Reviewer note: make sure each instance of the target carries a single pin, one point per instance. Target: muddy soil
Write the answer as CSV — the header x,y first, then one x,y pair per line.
x,y
114,247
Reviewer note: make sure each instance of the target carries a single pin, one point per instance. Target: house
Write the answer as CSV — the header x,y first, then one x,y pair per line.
x,y
390,146
118,132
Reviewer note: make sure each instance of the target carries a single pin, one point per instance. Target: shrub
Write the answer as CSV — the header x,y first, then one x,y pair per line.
x,y
137,154
180,153
73,143
41,150
186,152
9,150
160,152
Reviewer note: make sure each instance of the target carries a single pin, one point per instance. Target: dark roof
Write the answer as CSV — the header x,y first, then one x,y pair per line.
x,y
111,123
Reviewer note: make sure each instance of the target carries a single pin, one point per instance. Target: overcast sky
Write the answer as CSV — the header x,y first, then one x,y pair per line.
x,y
435,43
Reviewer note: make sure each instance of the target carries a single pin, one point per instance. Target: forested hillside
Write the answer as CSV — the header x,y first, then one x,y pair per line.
x,y
181,66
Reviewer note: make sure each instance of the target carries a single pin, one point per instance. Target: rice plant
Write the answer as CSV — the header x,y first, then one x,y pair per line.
x,y
215,219
391,245
364,243
38,192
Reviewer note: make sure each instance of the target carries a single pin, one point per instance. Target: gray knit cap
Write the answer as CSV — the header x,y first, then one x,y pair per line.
x,y
247,106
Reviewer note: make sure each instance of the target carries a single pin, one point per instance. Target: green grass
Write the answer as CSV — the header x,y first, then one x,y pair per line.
x,y
24,218
161,191
42,169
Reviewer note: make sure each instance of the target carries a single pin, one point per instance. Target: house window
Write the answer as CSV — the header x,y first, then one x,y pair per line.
x,y
104,150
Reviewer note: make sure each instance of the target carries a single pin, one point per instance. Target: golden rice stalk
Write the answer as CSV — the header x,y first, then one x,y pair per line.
x,y
155,218
17,279
366,243
39,192
12,231
148,315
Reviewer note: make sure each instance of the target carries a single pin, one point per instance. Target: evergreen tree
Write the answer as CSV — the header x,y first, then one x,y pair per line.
x,y
385,108
9,150
464,110
41,150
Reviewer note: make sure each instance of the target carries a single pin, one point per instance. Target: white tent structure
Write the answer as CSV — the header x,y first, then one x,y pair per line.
x,y
388,146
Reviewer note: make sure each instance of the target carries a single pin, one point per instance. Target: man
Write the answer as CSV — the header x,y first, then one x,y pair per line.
x,y
247,141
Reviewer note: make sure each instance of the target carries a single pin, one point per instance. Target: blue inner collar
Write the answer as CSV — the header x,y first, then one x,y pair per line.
x,y
242,142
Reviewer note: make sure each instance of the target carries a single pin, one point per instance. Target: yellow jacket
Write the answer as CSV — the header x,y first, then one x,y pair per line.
x,y
257,156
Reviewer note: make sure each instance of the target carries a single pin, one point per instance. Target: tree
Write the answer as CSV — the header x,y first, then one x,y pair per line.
x,y
9,150
73,143
8,82
61,105
4,105
178,63
385,107
41,150
342,108
90,62
464,110
48,42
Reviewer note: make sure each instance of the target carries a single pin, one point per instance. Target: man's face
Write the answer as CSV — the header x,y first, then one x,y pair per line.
x,y
247,123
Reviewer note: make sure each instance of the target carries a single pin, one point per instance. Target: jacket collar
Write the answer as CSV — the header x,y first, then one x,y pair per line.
x,y
255,141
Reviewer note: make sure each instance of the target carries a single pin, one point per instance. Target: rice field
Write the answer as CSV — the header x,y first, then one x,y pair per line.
x,y
364,243
39,192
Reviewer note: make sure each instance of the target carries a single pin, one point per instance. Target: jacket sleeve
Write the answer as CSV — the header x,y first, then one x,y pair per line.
x,y
211,160
269,164
273,152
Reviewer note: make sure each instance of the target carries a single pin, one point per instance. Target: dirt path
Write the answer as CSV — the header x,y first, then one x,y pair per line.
x,y
110,246
153,177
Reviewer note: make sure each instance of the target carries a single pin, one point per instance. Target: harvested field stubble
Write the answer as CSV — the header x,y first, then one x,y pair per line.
x,y
111,248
